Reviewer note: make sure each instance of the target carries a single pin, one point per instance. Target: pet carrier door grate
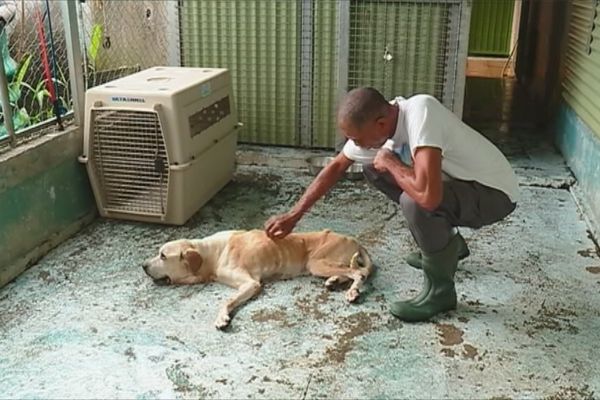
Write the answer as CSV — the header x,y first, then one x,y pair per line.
x,y
131,161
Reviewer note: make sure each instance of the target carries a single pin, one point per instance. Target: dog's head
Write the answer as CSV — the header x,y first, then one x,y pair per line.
x,y
177,262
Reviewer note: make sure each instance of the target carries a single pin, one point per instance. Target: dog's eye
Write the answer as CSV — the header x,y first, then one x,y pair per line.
x,y
162,256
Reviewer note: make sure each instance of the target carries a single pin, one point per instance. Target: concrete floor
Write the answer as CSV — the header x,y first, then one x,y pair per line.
x,y
85,322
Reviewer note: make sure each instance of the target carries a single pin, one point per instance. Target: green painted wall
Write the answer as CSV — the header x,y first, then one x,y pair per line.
x,y
491,28
45,196
258,42
581,83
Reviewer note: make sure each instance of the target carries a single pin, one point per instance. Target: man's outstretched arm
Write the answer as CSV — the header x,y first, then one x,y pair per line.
x,y
280,226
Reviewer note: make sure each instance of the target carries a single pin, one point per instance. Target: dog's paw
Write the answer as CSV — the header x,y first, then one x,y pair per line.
x,y
352,295
332,282
222,321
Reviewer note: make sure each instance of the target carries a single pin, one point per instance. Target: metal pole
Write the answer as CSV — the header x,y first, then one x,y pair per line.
x,y
306,66
463,50
172,33
5,101
75,58
343,58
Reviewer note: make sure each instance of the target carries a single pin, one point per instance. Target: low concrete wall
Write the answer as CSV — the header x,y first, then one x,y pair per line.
x,y
581,148
45,197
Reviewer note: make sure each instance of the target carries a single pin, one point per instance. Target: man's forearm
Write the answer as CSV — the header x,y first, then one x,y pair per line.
x,y
406,179
424,184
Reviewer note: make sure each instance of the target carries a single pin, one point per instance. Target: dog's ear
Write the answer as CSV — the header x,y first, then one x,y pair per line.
x,y
193,258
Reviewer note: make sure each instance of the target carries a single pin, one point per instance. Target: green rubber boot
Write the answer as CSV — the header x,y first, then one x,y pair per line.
x,y
414,259
437,296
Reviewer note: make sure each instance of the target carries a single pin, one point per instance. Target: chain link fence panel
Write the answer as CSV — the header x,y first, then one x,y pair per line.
x,y
34,52
120,37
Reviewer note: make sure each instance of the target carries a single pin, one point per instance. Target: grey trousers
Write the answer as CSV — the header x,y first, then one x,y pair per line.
x,y
464,203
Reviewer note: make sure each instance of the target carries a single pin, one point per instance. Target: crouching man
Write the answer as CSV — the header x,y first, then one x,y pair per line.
x,y
441,172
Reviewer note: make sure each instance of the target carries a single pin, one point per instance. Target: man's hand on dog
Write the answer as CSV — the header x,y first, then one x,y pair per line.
x,y
279,226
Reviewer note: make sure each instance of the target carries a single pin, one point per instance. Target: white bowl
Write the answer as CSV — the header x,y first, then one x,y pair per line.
x,y
316,164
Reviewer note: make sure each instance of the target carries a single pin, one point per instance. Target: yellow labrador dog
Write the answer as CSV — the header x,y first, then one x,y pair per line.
x,y
244,259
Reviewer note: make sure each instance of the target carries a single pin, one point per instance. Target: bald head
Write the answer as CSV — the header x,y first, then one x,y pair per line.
x,y
362,105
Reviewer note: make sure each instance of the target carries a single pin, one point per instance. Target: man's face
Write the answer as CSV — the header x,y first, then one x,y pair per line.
x,y
371,135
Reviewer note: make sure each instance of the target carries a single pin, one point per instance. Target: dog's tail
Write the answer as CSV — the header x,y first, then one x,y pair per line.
x,y
367,264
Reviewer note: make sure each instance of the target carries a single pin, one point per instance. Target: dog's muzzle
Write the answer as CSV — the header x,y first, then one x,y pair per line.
x,y
164,281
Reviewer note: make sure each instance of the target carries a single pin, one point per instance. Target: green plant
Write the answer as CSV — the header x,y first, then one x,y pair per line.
x,y
21,118
93,49
95,43
31,104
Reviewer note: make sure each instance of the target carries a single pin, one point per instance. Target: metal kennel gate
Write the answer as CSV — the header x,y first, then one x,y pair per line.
x,y
292,59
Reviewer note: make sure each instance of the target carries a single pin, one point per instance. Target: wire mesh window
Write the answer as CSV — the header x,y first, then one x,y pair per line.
x,y
117,38
35,62
122,37
399,47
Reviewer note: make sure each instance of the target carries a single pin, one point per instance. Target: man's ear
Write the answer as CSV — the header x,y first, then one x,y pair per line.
x,y
381,122
193,259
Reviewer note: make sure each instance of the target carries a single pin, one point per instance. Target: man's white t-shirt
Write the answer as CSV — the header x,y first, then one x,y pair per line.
x,y
466,154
